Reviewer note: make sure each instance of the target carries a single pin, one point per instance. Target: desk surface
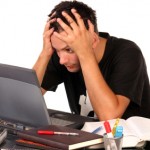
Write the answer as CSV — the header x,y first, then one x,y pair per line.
x,y
10,144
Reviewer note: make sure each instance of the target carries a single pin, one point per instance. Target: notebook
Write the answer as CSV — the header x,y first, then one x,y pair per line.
x,y
22,103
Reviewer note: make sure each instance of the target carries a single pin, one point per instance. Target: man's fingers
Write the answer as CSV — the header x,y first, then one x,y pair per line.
x,y
91,26
47,34
61,37
78,18
52,14
64,26
47,26
69,19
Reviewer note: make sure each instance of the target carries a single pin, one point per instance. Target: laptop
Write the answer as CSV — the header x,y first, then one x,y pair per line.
x,y
22,103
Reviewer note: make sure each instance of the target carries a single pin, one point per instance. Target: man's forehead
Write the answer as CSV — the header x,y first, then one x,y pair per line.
x,y
58,43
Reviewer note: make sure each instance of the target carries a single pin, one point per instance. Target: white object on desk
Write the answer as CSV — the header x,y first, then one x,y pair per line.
x,y
3,135
136,130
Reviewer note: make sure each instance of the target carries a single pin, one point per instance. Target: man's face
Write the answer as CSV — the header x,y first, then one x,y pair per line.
x,y
67,57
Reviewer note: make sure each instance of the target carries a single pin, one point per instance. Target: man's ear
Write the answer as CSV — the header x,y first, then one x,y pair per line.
x,y
95,40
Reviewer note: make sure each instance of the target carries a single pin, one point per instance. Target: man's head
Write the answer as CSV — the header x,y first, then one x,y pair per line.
x,y
67,56
85,12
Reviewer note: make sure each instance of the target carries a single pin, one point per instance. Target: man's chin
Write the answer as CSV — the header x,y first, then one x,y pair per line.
x,y
72,69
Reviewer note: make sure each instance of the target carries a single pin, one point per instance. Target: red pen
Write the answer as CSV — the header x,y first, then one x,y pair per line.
x,y
108,129
47,132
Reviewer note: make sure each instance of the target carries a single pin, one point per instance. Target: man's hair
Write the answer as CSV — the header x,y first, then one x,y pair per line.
x,y
86,13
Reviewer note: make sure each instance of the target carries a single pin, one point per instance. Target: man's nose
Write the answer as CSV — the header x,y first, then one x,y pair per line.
x,y
63,58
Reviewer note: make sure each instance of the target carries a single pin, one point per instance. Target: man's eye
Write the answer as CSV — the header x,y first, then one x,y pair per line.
x,y
69,50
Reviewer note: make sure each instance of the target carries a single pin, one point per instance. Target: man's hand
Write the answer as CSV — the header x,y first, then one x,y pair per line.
x,y
78,38
47,46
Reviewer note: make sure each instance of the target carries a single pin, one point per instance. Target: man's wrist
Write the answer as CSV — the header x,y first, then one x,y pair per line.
x,y
45,54
87,55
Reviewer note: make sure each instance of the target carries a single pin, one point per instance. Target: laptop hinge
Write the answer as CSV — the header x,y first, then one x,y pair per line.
x,y
20,127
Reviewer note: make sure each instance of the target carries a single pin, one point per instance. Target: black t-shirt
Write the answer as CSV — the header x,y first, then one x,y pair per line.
x,y
123,68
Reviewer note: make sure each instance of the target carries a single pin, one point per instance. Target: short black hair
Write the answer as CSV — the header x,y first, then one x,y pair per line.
x,y
86,13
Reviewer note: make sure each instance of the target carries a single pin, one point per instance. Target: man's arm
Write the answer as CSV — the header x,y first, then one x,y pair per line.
x,y
45,55
105,103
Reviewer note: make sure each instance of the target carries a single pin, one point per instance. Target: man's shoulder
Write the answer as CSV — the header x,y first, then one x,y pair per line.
x,y
123,44
121,47
120,41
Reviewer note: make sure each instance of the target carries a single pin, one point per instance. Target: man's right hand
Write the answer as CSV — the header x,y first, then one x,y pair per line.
x,y
47,47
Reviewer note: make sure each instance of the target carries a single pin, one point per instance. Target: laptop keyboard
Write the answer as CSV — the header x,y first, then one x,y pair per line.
x,y
61,122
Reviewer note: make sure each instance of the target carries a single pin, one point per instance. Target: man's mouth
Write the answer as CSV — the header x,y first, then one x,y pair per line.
x,y
69,66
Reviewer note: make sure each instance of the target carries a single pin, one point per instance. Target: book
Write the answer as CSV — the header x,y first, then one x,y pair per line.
x,y
65,142
136,130
27,143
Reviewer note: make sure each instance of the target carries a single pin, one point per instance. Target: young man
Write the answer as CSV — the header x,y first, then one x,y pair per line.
x,y
104,76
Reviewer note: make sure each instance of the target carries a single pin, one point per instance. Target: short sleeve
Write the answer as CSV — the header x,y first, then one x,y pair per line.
x,y
53,74
127,71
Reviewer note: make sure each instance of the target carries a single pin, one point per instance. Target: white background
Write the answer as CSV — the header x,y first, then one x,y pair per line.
x,y
22,23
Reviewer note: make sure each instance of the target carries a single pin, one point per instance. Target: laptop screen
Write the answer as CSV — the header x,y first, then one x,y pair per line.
x,y
21,100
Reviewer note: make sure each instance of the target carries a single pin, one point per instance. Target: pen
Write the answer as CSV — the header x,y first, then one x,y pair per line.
x,y
110,135
47,132
108,129
115,126
97,129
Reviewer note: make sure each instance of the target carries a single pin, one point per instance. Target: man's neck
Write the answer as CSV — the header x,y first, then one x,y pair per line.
x,y
100,48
